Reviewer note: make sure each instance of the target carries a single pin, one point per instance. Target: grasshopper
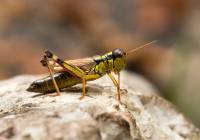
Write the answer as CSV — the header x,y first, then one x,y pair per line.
x,y
64,74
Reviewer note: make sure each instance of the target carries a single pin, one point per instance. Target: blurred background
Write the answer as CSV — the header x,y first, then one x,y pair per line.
x,y
76,28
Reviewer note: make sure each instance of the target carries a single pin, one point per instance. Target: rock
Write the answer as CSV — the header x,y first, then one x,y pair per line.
x,y
143,114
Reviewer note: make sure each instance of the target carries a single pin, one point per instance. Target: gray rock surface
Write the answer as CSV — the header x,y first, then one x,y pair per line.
x,y
143,114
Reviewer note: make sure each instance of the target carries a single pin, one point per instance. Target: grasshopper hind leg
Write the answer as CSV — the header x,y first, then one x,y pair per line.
x,y
45,62
54,81
71,69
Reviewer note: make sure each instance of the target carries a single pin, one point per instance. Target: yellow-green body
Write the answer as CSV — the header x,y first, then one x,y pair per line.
x,y
108,65
72,72
101,65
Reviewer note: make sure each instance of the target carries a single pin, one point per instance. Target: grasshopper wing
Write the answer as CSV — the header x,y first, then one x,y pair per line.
x,y
84,64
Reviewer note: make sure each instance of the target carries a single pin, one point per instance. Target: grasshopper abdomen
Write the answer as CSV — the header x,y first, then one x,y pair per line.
x,y
45,85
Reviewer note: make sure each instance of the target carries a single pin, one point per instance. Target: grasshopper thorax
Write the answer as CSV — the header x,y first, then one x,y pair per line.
x,y
112,61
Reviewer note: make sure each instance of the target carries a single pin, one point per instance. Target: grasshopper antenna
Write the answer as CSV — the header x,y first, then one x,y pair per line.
x,y
140,47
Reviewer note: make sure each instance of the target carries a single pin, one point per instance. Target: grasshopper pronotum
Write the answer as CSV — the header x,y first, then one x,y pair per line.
x,y
68,73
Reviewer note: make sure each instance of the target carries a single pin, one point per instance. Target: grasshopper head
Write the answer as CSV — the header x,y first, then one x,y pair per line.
x,y
118,60
118,53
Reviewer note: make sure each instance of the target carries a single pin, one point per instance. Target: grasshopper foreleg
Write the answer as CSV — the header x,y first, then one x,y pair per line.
x,y
116,83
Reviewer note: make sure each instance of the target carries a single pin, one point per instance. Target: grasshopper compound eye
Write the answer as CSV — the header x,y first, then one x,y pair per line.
x,y
118,53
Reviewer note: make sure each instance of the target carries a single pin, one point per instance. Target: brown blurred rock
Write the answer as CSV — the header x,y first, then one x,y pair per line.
x,y
143,114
